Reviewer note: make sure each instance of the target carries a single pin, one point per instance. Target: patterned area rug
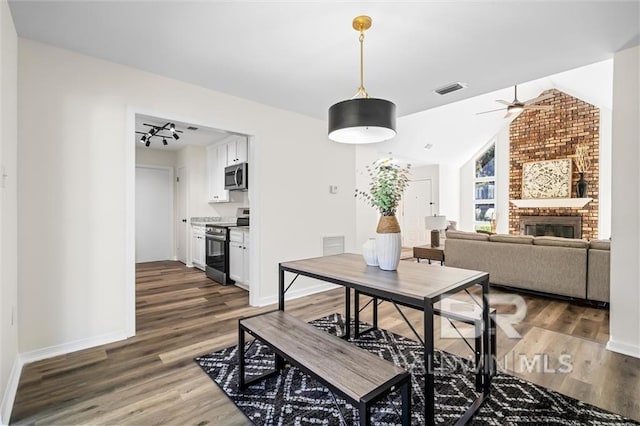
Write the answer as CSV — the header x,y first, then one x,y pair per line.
x,y
293,398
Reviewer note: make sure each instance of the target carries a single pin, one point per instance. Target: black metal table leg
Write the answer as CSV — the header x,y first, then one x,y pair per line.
x,y
356,314
241,384
429,391
488,330
347,310
281,289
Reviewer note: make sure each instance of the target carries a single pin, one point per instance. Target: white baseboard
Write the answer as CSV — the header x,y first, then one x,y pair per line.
x,y
78,345
624,348
10,391
295,294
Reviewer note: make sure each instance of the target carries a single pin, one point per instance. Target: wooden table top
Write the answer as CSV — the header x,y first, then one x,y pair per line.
x,y
412,283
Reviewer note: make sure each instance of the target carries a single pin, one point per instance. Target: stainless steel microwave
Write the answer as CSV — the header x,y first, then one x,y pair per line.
x,y
236,177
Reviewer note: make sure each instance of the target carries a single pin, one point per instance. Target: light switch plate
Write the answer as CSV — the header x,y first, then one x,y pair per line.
x,y
333,189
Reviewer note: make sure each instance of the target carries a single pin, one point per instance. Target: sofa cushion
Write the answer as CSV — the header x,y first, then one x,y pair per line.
x,y
560,242
462,235
514,239
600,244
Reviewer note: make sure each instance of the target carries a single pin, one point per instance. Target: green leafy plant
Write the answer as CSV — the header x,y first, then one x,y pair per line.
x,y
388,182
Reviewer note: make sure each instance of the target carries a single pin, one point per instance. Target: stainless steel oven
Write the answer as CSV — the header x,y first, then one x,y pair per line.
x,y
217,246
217,253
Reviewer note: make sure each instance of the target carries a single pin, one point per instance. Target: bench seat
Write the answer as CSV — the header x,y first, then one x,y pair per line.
x,y
357,375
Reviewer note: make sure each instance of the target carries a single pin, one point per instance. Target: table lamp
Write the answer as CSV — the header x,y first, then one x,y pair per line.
x,y
436,224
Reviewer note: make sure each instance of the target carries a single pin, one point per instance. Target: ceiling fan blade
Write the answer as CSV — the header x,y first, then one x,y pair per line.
x,y
493,110
539,107
500,101
539,98
507,115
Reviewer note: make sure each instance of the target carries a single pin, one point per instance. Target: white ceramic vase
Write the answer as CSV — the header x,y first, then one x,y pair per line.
x,y
388,247
369,252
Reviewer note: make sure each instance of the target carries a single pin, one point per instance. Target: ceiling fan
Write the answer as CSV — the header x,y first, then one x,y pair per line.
x,y
516,106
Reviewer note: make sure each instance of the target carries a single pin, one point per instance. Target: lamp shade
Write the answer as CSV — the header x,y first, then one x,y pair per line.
x,y
362,120
435,222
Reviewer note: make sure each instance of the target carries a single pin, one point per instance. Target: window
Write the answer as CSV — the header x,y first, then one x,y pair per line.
x,y
484,190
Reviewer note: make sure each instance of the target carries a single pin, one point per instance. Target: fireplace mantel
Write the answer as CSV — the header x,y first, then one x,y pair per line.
x,y
551,202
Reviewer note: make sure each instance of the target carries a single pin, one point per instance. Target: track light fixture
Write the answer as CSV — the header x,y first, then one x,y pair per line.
x,y
156,131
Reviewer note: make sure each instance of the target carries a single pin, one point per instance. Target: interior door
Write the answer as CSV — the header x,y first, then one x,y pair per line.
x,y
416,204
154,207
182,222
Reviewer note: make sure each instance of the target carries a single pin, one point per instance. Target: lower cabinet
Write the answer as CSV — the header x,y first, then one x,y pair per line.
x,y
239,257
198,247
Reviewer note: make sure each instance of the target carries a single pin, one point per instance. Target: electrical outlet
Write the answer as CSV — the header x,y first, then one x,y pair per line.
x,y
3,177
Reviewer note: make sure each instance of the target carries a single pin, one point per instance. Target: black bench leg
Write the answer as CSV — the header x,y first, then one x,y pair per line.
x,y
241,383
405,391
365,418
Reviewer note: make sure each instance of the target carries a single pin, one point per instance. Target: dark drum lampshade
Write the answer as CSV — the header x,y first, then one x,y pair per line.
x,y
362,120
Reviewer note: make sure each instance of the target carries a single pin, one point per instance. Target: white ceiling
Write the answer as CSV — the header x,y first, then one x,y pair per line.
x,y
303,56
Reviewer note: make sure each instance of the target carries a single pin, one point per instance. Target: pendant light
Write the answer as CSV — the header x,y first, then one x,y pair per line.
x,y
362,119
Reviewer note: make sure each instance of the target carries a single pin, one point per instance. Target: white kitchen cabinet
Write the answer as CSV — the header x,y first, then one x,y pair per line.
x,y
239,257
237,151
216,162
245,260
198,247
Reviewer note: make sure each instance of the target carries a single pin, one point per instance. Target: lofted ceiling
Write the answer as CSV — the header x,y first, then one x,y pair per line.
x,y
303,56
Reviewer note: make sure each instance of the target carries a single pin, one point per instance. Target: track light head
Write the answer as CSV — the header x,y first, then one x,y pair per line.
x,y
164,142
175,136
147,143
153,131
172,127
143,138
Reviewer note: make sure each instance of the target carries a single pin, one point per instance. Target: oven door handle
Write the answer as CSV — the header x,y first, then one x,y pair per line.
x,y
211,237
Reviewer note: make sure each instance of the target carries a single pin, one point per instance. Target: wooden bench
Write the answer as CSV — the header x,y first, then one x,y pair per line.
x,y
360,377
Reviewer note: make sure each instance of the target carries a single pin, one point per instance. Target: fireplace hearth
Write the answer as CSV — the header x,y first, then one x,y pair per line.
x,y
554,226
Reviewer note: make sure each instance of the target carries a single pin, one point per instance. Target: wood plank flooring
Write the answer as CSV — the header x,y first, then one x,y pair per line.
x,y
152,379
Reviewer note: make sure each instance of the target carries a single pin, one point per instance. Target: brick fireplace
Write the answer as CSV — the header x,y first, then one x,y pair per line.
x,y
550,135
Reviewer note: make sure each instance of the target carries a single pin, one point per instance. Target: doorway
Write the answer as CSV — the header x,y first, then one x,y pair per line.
x,y
181,215
416,204
154,213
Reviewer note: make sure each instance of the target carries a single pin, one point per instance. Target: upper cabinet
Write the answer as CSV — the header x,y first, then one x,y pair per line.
x,y
232,150
216,162
237,150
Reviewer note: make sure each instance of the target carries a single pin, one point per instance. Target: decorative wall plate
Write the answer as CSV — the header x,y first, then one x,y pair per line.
x,y
547,179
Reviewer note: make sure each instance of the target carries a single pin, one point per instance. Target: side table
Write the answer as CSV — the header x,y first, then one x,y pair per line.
x,y
429,253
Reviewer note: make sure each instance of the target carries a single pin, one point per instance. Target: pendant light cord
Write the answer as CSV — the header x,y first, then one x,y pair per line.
x,y
362,93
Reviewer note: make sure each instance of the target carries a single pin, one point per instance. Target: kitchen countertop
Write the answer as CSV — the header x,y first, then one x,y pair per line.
x,y
206,220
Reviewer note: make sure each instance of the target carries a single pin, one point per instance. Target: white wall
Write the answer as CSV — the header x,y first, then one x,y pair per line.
x,y
84,146
604,177
9,360
625,200
155,157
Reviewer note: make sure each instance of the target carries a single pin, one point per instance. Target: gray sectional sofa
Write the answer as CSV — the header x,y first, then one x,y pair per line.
x,y
562,266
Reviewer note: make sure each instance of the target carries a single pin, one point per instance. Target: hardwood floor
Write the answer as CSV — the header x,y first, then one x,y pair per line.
x,y
151,378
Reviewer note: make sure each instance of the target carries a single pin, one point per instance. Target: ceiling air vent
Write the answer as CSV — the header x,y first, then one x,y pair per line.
x,y
192,128
450,88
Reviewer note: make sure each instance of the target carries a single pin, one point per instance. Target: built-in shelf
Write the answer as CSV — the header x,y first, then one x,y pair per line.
x,y
551,202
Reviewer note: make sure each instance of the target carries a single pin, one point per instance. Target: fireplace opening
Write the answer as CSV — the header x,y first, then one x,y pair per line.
x,y
554,226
